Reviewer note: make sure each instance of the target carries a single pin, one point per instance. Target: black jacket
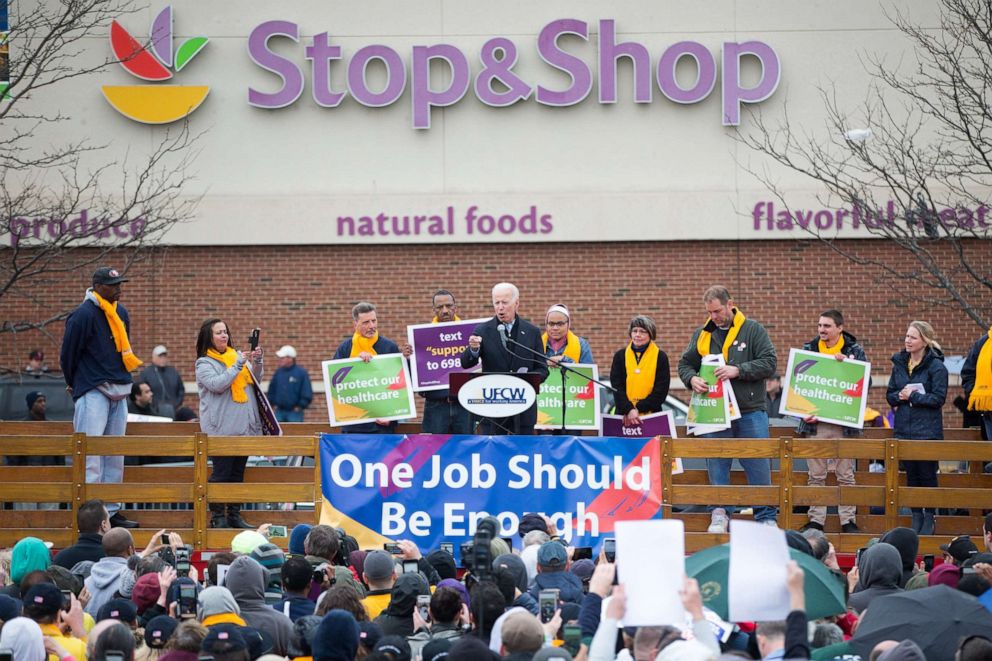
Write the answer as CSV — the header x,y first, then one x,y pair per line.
x,y
920,417
89,546
512,359
659,393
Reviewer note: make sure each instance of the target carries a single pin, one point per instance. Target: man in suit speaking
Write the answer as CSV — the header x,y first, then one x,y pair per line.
x,y
496,342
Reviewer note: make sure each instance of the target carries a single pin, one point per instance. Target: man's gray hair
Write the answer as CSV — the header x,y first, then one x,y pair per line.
x,y
536,537
717,293
514,292
361,308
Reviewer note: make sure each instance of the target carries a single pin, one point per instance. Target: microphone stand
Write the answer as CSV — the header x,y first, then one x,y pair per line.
x,y
563,369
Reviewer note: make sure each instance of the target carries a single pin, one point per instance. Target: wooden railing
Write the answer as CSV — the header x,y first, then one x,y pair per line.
x,y
971,490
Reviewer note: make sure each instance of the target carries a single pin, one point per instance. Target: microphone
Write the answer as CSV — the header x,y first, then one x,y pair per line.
x,y
502,334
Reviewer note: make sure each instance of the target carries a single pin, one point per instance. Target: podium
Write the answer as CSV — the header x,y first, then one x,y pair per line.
x,y
502,414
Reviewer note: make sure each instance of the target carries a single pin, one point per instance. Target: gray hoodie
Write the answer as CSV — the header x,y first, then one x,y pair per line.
x,y
104,581
879,569
219,414
246,579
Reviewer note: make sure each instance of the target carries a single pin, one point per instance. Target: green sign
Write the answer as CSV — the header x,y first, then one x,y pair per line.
x,y
709,411
831,390
581,399
359,392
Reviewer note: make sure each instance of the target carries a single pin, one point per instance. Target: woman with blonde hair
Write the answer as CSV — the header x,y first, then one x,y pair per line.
x,y
917,391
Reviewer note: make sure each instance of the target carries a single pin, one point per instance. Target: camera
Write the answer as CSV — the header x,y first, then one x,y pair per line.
x,y
548,603
320,574
253,338
423,606
187,600
182,561
610,549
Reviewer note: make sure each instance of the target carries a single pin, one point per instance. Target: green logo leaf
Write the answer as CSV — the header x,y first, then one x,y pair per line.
x,y
189,50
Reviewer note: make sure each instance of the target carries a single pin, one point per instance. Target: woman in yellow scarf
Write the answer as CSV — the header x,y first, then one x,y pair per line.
x,y
640,372
224,377
560,343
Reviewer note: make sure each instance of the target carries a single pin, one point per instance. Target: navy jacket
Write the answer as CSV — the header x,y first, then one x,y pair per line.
x,y
382,346
89,546
290,387
920,418
568,585
89,356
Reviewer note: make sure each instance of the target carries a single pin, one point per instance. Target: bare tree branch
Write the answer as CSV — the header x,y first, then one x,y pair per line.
x,y
70,206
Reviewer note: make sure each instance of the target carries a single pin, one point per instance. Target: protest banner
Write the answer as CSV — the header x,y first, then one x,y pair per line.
x,y
652,425
360,392
710,412
437,350
833,390
434,488
581,402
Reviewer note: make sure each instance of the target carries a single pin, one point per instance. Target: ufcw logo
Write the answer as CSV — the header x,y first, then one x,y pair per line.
x,y
154,104
503,396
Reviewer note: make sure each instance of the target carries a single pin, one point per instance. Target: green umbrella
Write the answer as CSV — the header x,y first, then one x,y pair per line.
x,y
711,567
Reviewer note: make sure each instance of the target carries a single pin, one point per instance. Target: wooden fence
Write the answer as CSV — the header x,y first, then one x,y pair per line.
x,y
965,494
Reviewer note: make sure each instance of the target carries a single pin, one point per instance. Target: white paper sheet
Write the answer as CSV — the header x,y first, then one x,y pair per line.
x,y
756,589
653,553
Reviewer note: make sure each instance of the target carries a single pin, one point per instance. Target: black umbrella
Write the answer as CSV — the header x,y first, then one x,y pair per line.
x,y
934,618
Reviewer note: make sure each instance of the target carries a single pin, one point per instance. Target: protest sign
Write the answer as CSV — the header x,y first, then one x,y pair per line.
x,y
581,401
437,350
433,488
756,589
651,566
817,384
652,425
710,411
359,392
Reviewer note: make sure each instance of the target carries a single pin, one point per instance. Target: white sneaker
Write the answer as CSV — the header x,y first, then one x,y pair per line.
x,y
719,522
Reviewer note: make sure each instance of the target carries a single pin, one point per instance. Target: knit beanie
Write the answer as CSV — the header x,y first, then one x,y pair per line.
x,y
247,541
336,638
297,537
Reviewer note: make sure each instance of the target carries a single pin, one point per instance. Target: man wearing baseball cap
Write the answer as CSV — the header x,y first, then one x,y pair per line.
x,y
97,362
289,390
165,382
959,550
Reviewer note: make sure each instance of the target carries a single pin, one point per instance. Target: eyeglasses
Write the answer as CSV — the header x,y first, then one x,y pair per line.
x,y
557,324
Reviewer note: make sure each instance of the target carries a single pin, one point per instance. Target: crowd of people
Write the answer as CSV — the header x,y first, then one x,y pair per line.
x,y
328,600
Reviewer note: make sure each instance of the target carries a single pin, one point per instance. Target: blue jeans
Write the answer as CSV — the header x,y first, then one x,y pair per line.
x,y
987,421
753,424
444,417
96,415
283,415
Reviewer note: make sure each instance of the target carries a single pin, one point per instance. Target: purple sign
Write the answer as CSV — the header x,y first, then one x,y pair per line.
x,y
653,424
437,350
497,83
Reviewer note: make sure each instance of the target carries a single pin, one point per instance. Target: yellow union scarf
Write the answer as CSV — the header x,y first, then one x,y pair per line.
x,y
836,348
119,330
223,618
703,341
640,376
981,395
243,378
572,348
359,343
435,321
